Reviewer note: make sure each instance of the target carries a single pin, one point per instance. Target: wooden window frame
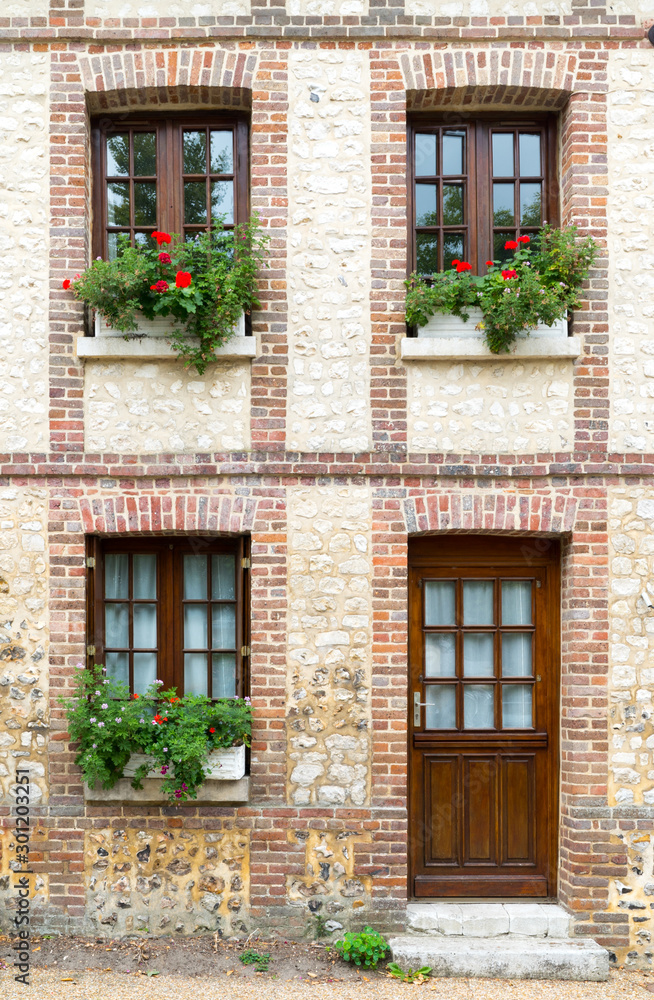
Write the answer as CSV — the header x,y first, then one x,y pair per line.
x,y
170,191
478,175
170,636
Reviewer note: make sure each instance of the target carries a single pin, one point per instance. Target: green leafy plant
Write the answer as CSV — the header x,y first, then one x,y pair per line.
x,y
176,734
204,284
367,947
539,284
409,975
320,930
259,961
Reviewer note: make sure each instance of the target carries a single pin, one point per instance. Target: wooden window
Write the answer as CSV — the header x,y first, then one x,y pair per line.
x,y
172,609
177,175
477,184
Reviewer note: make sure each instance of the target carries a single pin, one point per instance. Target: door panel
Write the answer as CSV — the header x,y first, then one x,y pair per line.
x,y
483,664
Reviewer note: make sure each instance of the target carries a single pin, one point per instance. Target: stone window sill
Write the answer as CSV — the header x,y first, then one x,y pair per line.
x,y
139,347
212,792
475,349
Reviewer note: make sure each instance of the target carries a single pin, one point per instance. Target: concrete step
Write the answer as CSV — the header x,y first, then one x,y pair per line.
x,y
488,919
505,957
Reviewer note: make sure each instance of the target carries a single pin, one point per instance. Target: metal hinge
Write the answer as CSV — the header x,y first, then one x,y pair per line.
x,y
538,583
90,562
90,650
245,650
245,563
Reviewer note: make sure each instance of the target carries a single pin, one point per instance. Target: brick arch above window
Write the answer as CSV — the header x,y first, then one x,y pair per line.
x,y
155,78
507,71
454,511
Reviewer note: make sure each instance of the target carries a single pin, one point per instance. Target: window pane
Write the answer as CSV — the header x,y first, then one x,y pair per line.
x,y
195,578
426,155
503,154
222,200
516,706
117,665
478,648
530,211
195,673
478,706
222,577
426,210
195,626
195,153
112,245
145,203
116,626
529,145
452,205
516,654
145,154
516,602
426,253
440,657
223,626
116,575
222,157
439,602
453,153
499,253
145,626
145,671
195,202
223,675
478,602
145,576
118,204
143,239
503,206
118,155
453,248
440,706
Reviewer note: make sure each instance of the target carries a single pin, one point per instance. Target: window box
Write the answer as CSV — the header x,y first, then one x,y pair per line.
x,y
211,792
449,337
149,341
223,765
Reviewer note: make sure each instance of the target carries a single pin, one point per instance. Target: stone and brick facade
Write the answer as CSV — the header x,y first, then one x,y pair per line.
x,y
327,449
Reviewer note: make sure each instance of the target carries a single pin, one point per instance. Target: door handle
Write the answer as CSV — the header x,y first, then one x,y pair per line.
x,y
417,705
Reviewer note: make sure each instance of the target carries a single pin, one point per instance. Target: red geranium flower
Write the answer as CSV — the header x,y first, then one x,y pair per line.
x,y
490,263
212,730
509,274
164,258
463,265
182,279
134,696
523,239
161,286
160,237
455,262
510,245
66,283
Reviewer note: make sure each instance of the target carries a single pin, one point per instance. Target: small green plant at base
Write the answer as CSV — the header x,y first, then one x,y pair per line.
x,y
416,976
319,926
259,961
366,947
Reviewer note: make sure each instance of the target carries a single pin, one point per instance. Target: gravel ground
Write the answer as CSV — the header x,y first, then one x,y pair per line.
x,y
94,985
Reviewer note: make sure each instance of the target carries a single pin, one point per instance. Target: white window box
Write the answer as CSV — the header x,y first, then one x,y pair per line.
x,y
226,786
150,340
450,337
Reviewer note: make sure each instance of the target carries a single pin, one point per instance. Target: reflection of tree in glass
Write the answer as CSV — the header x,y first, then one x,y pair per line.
x,y
503,217
117,155
428,219
426,253
145,154
195,153
118,204
531,211
195,202
452,248
452,205
145,204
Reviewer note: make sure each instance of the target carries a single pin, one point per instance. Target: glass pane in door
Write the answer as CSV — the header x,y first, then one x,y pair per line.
x,y
478,706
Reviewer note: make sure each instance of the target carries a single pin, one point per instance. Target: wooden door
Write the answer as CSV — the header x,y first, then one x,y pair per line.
x,y
483,716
